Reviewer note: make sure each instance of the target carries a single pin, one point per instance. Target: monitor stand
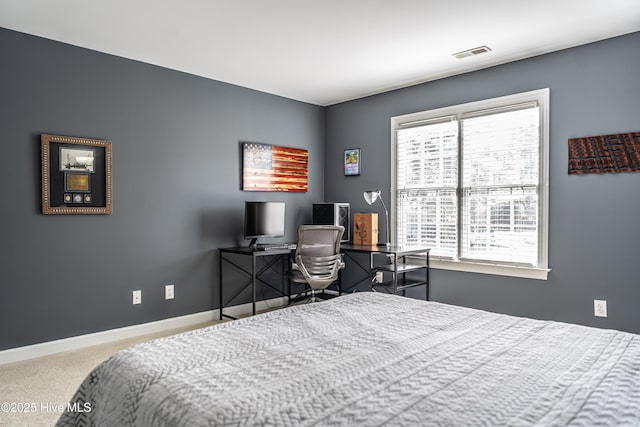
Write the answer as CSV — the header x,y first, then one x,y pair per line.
x,y
254,243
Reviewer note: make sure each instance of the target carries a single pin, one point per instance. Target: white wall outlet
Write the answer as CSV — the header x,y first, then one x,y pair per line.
x,y
137,297
168,291
599,308
379,277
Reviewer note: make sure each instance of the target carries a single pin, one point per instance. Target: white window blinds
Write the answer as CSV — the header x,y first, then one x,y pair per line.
x,y
427,181
470,182
500,178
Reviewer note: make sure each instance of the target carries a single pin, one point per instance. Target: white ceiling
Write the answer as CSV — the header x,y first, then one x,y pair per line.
x,y
322,51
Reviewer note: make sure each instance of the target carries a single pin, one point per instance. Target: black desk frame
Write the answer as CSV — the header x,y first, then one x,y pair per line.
x,y
398,267
270,257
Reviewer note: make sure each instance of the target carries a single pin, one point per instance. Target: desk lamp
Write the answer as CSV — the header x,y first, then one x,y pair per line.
x,y
370,196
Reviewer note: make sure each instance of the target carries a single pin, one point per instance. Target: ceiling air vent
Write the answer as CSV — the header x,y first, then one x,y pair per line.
x,y
472,52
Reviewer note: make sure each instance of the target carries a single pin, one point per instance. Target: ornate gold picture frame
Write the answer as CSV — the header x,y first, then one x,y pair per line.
x,y
76,175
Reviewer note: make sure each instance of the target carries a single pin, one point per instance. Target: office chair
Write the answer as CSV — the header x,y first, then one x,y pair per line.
x,y
317,258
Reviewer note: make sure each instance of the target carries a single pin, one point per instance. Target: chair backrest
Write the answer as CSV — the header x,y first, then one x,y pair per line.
x,y
318,255
319,240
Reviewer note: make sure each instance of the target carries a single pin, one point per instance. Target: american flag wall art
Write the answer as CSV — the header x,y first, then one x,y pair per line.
x,y
272,168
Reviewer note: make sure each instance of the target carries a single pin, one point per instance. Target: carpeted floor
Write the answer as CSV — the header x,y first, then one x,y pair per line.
x,y
41,385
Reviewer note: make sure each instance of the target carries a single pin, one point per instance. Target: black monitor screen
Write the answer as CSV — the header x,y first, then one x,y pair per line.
x,y
263,219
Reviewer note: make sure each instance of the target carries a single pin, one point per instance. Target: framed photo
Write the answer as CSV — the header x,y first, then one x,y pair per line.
x,y
352,161
76,175
72,159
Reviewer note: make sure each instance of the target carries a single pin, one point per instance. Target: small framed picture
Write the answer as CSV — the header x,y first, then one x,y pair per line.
x,y
73,159
352,159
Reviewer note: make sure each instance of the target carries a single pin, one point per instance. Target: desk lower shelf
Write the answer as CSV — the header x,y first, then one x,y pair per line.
x,y
400,268
402,284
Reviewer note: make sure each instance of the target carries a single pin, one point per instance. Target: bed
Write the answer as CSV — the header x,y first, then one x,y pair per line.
x,y
369,359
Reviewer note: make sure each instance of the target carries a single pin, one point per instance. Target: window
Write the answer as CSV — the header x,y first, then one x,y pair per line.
x,y
471,182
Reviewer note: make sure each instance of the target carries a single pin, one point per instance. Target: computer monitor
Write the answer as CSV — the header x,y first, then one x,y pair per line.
x,y
263,219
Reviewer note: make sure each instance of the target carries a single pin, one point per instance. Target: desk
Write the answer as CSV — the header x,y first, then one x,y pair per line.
x,y
396,263
270,257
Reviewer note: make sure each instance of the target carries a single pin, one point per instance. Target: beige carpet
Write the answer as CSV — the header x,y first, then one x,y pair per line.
x,y
47,382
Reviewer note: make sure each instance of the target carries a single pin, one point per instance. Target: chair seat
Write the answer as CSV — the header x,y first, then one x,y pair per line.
x,y
297,277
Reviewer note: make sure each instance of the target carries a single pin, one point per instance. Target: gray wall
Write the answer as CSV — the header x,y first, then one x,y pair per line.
x,y
177,190
593,220
176,187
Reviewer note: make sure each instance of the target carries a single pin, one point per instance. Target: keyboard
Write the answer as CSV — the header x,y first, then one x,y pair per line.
x,y
276,246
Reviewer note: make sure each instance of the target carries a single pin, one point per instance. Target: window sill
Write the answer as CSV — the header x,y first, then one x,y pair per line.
x,y
500,270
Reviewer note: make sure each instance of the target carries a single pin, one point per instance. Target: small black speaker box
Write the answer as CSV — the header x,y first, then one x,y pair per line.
x,y
333,214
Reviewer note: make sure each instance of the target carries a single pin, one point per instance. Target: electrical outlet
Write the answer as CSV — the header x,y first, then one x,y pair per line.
x,y
599,308
168,291
137,297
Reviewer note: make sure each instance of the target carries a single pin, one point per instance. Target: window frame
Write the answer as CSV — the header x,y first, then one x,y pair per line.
x,y
541,98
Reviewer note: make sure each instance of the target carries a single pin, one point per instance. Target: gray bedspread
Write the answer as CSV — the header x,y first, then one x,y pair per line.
x,y
369,359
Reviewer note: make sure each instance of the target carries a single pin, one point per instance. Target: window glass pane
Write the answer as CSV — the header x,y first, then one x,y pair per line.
x,y
501,225
501,149
500,179
428,156
428,218
427,179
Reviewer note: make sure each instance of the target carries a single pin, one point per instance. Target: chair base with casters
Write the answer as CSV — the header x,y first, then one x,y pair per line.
x,y
317,259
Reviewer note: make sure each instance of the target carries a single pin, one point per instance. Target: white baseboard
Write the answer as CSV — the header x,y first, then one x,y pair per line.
x,y
81,341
